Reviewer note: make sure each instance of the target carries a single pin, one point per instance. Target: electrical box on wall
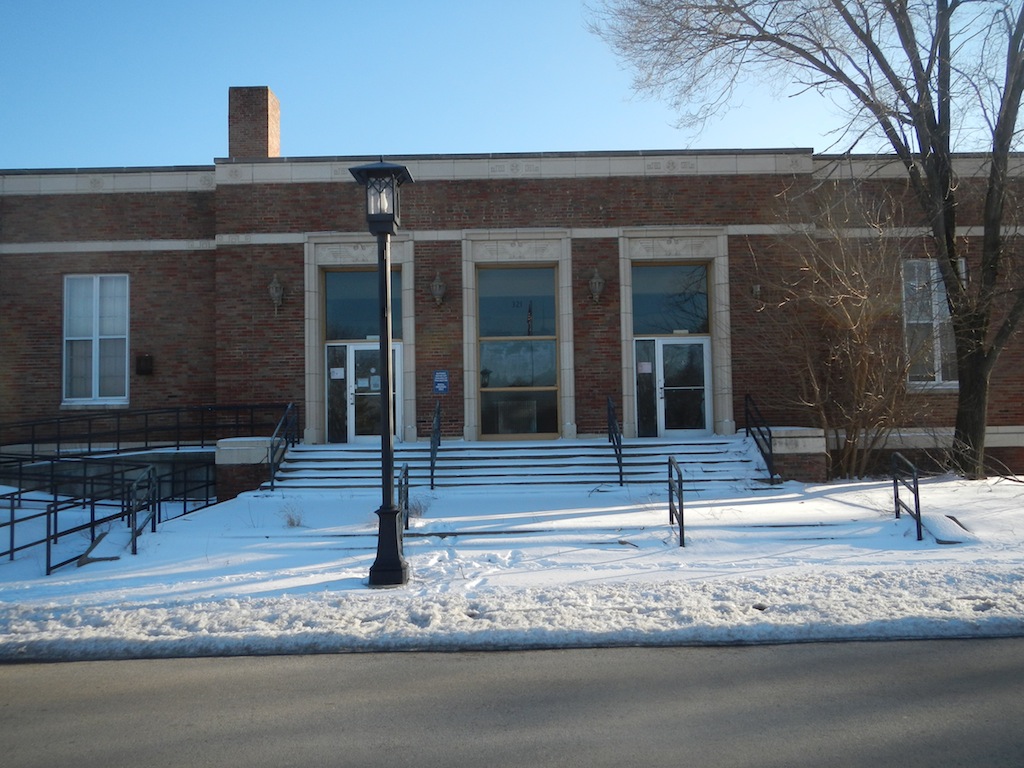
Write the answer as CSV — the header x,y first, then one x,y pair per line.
x,y
144,365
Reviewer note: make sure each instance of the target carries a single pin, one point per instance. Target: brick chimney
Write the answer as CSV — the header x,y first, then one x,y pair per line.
x,y
254,123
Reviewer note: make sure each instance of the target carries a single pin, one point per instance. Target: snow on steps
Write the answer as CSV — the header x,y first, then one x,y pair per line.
x,y
719,460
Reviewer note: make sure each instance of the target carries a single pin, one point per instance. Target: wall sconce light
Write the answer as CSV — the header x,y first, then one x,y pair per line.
x,y
438,289
596,286
276,293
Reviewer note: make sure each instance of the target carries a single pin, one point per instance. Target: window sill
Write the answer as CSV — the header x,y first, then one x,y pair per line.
x,y
933,388
93,405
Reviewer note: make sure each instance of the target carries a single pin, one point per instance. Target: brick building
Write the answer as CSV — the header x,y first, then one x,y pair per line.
x,y
536,285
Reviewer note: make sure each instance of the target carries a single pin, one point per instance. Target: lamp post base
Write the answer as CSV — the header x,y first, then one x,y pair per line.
x,y
390,568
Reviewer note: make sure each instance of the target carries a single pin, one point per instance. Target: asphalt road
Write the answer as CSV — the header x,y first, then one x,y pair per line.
x,y
939,703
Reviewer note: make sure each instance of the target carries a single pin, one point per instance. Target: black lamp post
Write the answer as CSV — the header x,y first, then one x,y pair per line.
x,y
382,181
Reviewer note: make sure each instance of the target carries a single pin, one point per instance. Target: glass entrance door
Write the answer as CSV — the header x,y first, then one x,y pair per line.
x,y
353,392
673,382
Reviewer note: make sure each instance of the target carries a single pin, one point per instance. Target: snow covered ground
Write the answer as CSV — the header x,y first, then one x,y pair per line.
x,y
530,568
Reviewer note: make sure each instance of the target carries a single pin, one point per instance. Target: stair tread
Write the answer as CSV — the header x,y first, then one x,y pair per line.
x,y
723,460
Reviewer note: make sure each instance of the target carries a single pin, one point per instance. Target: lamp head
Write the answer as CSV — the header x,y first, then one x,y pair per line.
x,y
382,180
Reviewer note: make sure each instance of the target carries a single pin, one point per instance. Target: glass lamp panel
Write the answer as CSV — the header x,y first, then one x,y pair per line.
x,y
380,196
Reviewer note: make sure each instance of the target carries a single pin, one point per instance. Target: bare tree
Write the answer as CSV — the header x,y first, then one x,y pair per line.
x,y
835,307
911,71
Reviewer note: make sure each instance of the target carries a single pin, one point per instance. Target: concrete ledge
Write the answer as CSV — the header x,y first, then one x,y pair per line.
x,y
243,450
798,440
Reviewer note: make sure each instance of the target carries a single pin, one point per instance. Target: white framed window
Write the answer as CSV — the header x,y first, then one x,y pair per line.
x,y
96,339
927,328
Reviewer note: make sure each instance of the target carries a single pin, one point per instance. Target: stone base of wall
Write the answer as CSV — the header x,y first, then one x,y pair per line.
x,y
800,454
802,467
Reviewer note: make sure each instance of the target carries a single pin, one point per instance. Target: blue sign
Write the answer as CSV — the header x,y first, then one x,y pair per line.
x,y
440,382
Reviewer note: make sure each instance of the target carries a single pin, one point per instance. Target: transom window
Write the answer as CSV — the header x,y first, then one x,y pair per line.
x,y
670,298
351,306
96,338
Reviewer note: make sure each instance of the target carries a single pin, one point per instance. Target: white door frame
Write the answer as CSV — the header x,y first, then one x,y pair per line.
x,y
659,347
351,383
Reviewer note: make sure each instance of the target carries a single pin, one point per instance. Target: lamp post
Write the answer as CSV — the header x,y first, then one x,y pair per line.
x,y
382,181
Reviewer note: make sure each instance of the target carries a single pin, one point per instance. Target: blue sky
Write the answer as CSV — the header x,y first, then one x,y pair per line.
x,y
113,83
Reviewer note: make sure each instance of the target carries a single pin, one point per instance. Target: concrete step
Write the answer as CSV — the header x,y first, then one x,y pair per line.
x,y
729,460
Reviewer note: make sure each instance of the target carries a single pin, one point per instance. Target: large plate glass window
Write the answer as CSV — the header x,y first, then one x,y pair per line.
x,y
96,338
518,351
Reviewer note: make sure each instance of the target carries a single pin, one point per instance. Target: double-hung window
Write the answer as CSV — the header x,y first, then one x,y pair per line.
x,y
96,339
927,327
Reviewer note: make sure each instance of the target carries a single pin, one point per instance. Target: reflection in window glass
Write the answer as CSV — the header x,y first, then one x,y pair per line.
x,y
646,389
518,364
516,302
351,306
669,298
518,351
519,413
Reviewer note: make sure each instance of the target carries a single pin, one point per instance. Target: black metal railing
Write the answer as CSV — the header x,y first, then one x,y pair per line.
x,y
117,431
403,495
905,474
143,499
675,497
66,496
286,435
615,437
758,429
435,441
119,494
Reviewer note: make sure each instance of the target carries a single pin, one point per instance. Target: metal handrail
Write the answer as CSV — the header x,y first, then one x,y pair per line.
x,y
435,441
675,493
403,494
125,489
905,473
142,496
285,436
758,428
139,430
615,437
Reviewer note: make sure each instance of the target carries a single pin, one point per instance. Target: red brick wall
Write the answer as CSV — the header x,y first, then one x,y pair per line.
x,y
597,333
121,216
439,338
172,299
233,479
298,208
588,202
260,354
